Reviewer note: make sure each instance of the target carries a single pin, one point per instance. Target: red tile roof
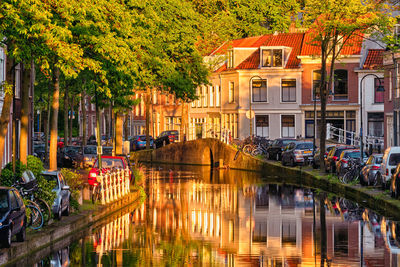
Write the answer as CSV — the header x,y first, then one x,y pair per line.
x,y
352,46
374,59
293,40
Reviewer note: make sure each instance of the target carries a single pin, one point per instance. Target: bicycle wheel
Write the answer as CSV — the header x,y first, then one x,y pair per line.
x,y
347,177
45,209
256,152
248,149
36,217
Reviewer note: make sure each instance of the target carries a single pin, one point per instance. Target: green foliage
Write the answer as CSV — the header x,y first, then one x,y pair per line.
x,y
7,177
35,165
75,184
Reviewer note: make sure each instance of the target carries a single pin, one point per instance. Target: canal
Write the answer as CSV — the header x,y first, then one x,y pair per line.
x,y
193,216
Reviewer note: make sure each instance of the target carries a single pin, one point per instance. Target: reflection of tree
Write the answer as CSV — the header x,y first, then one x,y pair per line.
x,y
322,216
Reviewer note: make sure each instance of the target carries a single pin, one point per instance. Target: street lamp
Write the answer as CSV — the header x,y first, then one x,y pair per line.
x,y
250,96
379,89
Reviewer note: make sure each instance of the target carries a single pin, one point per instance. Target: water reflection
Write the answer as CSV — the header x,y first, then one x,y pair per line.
x,y
236,220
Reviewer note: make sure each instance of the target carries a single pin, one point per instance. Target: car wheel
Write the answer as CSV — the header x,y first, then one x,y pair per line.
x,y
6,242
67,210
22,234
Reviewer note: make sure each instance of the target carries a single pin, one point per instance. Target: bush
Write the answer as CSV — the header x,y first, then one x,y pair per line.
x,y
75,184
7,177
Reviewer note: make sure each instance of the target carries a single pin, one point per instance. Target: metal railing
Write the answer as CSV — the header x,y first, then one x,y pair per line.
x,y
351,138
114,185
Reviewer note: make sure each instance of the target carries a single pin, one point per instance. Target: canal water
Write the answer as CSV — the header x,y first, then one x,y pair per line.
x,y
193,216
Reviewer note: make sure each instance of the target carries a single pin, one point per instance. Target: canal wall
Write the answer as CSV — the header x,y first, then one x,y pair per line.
x,y
212,152
64,229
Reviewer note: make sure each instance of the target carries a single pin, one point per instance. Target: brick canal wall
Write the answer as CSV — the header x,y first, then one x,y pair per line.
x,y
63,230
207,152
210,151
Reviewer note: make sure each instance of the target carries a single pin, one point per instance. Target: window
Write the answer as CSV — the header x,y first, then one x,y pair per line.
x,y
204,96
260,232
272,57
13,200
316,84
2,66
231,92
230,59
288,233
259,88
262,125
173,123
340,85
217,96
199,93
397,89
376,124
288,90
287,124
211,96
154,97
378,95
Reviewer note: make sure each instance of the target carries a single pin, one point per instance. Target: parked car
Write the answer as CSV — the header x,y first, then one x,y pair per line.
x,y
61,205
166,137
333,157
316,162
107,150
395,182
139,142
390,159
275,149
109,163
349,154
89,155
39,151
38,136
297,153
371,170
13,219
70,157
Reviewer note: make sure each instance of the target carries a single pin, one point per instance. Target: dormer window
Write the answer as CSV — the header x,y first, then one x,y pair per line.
x,y
272,57
230,59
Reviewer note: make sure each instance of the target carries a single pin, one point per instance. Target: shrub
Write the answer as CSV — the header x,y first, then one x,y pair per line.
x,y
75,184
7,177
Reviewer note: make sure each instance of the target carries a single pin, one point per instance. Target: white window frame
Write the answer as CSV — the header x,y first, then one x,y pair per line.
x,y
205,96
255,124
217,96
252,91
231,92
295,91
231,59
211,95
271,57
312,86
281,126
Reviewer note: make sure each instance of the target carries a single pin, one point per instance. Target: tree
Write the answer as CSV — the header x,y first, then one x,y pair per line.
x,y
335,24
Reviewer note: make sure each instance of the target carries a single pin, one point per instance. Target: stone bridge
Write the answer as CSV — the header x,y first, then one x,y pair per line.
x,y
207,152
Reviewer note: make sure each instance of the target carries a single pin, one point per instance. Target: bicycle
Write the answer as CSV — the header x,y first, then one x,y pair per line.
x,y
353,171
36,219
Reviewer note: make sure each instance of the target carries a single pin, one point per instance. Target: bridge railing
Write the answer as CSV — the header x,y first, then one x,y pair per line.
x,y
210,130
114,184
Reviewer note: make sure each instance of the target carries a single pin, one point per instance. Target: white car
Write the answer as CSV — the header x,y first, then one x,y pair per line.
x,y
390,159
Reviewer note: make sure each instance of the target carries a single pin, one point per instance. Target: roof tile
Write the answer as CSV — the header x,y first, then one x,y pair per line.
x,y
374,59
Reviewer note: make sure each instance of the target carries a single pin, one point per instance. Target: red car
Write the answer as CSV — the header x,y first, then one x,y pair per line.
x,y
109,163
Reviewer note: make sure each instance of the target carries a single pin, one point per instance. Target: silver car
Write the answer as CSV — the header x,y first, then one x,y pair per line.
x,y
61,205
371,171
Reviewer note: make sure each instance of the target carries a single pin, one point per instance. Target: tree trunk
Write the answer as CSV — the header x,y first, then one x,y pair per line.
x,y
119,127
83,109
323,98
147,110
47,125
126,130
71,118
23,140
322,216
5,112
54,119
66,111
184,121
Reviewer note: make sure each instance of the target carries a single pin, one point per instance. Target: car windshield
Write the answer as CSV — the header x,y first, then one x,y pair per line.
x,y
107,150
110,163
354,155
73,149
394,159
286,142
51,177
304,146
339,151
3,200
90,150
378,160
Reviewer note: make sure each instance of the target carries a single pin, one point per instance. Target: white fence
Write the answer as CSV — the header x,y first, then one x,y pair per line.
x,y
351,138
114,185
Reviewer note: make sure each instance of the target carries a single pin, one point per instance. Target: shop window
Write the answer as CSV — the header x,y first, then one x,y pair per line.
x,y
376,124
289,90
259,88
287,126
340,85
